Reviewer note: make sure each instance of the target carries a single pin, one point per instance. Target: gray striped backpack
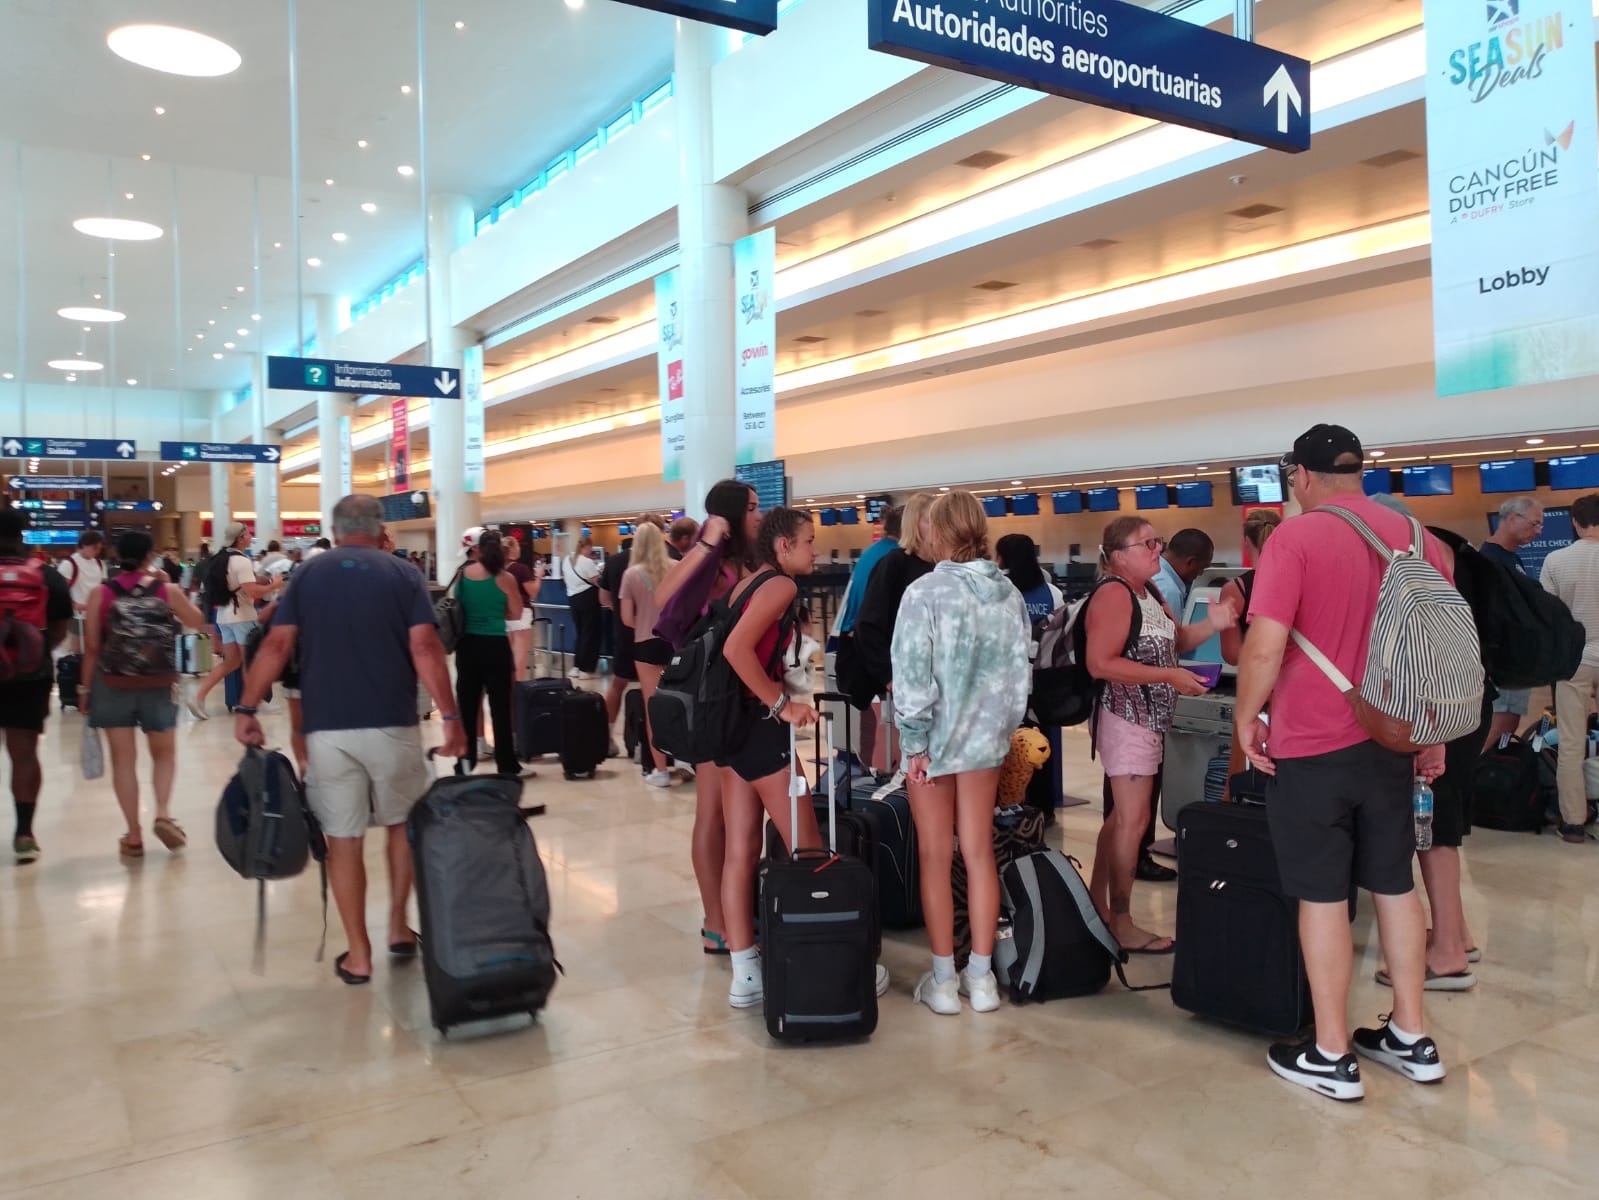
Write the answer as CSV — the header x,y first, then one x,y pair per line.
x,y
1423,682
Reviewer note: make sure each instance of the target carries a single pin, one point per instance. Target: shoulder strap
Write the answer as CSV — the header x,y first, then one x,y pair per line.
x,y
1384,551
116,589
1078,891
1323,663
72,562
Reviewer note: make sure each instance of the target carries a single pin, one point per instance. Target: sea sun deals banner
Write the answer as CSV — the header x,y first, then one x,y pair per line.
x,y
669,365
755,347
1512,147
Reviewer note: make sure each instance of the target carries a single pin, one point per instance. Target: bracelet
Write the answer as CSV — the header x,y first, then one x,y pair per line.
x,y
244,710
775,710
450,717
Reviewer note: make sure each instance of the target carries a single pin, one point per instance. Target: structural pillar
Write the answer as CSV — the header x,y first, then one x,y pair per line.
x,y
268,517
333,413
710,218
455,510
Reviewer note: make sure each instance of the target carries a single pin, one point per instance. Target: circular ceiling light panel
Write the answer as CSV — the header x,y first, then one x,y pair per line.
x,y
75,364
90,314
173,50
118,229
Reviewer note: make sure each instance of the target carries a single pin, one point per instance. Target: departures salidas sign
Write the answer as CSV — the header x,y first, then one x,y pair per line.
x,y
1110,54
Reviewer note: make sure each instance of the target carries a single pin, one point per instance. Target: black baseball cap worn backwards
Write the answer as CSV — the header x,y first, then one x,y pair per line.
x,y
1319,449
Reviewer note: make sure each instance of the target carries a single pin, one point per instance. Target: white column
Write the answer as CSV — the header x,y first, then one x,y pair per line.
x,y
221,501
268,519
331,407
710,218
454,509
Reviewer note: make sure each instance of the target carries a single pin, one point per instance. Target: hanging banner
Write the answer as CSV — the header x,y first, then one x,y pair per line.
x,y
400,444
472,397
669,368
755,344
346,468
1511,146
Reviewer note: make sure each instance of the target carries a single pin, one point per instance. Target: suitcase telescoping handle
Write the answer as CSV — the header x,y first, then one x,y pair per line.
x,y
797,786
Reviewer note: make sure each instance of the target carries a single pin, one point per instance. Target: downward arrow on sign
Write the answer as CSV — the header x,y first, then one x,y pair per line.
x,y
445,383
1280,87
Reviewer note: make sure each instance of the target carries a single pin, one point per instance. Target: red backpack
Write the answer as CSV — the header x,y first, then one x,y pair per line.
x,y
24,600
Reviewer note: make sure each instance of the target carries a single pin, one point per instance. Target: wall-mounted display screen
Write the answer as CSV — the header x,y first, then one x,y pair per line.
x,y
1377,481
1511,475
849,516
1258,484
1575,472
1151,495
1024,504
994,506
876,506
1066,503
1432,479
1104,499
829,516
1195,495
768,480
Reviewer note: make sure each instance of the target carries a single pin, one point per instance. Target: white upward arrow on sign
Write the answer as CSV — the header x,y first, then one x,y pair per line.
x,y
125,450
13,446
445,383
1281,89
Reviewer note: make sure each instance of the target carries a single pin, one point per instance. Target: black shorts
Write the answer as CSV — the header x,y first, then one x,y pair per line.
x,y
1342,817
764,752
1451,791
654,652
622,659
25,704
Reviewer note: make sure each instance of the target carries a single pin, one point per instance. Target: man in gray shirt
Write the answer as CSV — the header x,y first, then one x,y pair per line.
x,y
1572,574
1520,524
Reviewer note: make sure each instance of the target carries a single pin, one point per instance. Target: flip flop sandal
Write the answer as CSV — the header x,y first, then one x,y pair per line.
x,y
1473,955
349,977
1170,948
1459,981
721,943
129,849
170,833
405,950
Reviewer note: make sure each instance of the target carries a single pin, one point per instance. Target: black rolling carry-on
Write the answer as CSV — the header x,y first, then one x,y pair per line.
x,y
69,673
485,906
585,733
634,730
819,913
536,716
1238,957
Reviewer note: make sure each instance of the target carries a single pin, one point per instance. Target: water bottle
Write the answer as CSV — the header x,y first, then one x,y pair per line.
x,y
1422,806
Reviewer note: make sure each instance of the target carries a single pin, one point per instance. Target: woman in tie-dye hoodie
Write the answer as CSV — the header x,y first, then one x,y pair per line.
x,y
961,678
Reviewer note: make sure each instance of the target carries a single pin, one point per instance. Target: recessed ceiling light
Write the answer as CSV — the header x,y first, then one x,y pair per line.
x,y
255,316
75,364
277,245
460,24
88,329
369,207
313,262
76,313
229,346
210,321
127,195
574,5
1379,453
118,229
146,157
405,89
360,143
1016,483
7,375
1535,441
239,287
943,489
406,169
242,332
341,237
328,182
131,382
34,466
173,50
159,111
200,337
217,355
98,296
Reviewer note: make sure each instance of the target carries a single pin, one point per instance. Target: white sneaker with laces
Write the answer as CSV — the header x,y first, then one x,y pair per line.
x,y
748,988
943,998
983,992
659,779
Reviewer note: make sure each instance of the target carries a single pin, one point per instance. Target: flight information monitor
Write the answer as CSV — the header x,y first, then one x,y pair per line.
x,y
1258,484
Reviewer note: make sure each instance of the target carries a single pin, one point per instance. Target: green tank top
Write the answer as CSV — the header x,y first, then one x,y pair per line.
x,y
485,606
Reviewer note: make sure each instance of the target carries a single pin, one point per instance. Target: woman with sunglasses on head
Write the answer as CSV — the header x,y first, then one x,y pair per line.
x,y
1140,682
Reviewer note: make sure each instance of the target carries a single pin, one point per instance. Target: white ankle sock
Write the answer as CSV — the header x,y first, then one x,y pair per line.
x,y
1407,1039
979,965
943,968
745,961
1327,1054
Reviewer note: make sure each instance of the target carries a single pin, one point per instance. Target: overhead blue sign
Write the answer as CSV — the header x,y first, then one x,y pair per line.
x,y
242,452
128,506
1114,55
49,505
103,448
49,537
58,483
361,378
751,16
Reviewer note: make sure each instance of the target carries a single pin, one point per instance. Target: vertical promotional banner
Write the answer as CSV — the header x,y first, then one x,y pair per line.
x,y
755,344
400,444
669,365
346,470
1511,146
472,397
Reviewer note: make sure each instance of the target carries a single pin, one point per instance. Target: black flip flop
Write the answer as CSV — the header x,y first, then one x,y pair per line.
x,y
404,950
349,977
1145,948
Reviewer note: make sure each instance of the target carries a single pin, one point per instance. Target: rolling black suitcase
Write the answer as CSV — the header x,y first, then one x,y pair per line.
x,y
819,918
69,674
634,730
585,733
1238,957
483,899
536,716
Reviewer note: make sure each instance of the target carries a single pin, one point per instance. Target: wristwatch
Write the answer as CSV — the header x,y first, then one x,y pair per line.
x,y
244,710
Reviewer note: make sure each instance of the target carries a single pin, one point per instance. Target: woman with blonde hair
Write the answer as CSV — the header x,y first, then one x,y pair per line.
x,y
649,564
874,627
961,678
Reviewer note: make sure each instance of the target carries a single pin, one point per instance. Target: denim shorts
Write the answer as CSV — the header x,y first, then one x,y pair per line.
x,y
151,709
236,635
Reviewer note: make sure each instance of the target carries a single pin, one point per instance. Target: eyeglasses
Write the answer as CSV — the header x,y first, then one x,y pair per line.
x,y
1157,544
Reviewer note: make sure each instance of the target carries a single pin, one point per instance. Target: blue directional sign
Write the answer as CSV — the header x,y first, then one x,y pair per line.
x,y
58,483
361,378
751,16
49,537
127,505
103,448
226,452
1114,55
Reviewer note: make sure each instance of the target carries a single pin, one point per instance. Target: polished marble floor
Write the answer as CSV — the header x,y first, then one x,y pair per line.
x,y
145,1060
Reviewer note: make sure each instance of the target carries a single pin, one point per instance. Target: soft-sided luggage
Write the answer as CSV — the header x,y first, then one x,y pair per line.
x,y
484,902
1238,957
585,733
634,731
194,654
69,673
1507,791
819,919
1018,831
536,716
1059,945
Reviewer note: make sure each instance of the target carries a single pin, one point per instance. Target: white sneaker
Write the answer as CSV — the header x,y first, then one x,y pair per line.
x,y
748,988
882,979
982,992
484,750
613,750
574,673
658,779
943,998
190,703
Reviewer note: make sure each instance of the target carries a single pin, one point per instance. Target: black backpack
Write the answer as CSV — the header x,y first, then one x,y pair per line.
x,y
214,590
1529,637
1064,693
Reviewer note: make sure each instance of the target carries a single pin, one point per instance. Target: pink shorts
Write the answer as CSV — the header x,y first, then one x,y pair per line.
x,y
1128,749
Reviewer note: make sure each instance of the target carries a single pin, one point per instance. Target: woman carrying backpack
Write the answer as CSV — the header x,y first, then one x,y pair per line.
x,y
129,667
1141,681
961,678
1017,556
490,599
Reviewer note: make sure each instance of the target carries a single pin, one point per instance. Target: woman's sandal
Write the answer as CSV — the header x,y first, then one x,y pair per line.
x,y
349,977
129,848
1169,948
721,943
170,833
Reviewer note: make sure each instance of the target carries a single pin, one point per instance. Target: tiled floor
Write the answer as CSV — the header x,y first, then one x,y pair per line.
x,y
145,1059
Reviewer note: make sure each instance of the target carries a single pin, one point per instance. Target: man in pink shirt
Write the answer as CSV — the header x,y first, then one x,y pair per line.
x,y
1339,807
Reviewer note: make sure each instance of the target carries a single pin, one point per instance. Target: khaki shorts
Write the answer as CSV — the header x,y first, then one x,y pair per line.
x,y
362,777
